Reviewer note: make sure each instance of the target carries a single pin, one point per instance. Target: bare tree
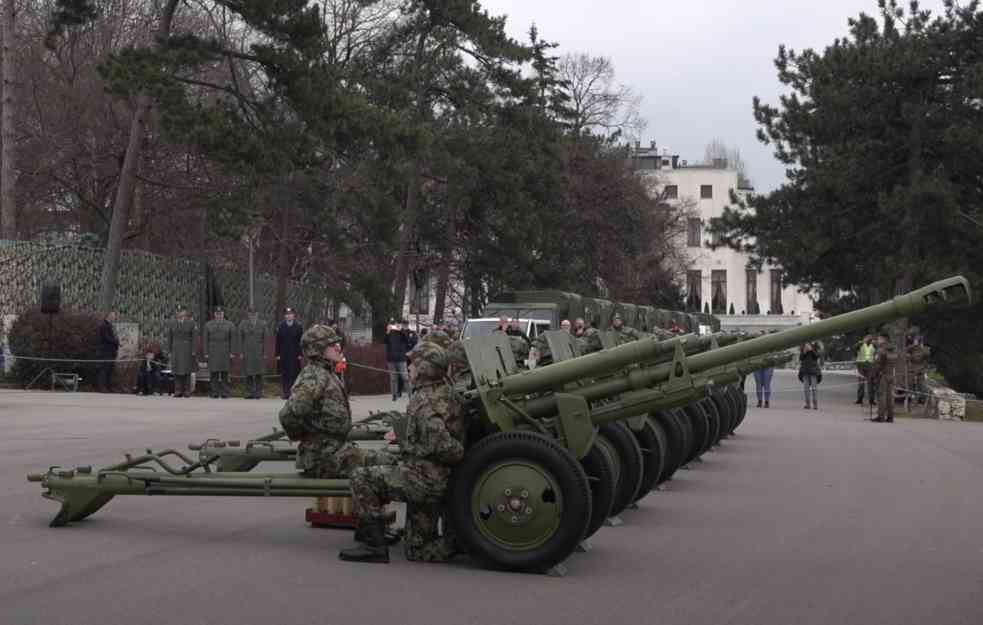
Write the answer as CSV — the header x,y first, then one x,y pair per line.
x,y
8,170
597,103
720,154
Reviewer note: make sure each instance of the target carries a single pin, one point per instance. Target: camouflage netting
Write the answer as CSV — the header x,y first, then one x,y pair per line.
x,y
150,286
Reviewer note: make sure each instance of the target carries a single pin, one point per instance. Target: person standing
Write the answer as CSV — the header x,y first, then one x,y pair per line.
x,y
865,360
252,351
219,344
107,348
397,346
289,356
810,374
918,354
883,373
762,385
182,339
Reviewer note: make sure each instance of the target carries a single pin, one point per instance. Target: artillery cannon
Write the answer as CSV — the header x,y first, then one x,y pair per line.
x,y
521,499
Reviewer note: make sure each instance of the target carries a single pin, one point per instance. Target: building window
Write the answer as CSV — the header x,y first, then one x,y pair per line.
x,y
694,289
776,292
752,292
420,298
718,290
706,191
694,232
671,192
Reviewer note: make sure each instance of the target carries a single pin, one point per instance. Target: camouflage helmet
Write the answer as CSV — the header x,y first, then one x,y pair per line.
x,y
316,339
429,359
439,337
457,356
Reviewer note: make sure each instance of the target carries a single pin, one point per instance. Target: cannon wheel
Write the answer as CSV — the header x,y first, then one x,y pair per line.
x,y
726,411
698,422
687,425
520,501
601,474
738,403
676,439
652,440
629,457
714,421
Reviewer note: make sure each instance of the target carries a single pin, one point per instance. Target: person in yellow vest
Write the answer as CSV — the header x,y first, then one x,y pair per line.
x,y
865,363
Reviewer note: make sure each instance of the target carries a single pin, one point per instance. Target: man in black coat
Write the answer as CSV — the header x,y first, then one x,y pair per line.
x,y
289,356
107,347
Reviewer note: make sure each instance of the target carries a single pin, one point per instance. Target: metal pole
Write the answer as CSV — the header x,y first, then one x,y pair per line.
x,y
252,300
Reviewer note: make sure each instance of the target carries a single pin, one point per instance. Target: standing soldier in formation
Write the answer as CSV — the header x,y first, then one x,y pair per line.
x,y
252,350
182,337
883,372
432,445
288,351
219,344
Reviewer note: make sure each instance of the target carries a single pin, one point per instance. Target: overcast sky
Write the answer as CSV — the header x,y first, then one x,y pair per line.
x,y
697,63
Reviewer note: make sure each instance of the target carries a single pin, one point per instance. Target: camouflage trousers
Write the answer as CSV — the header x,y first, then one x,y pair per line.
x,y
326,458
373,487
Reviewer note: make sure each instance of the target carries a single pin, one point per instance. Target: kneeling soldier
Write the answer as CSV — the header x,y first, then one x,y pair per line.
x,y
428,451
318,414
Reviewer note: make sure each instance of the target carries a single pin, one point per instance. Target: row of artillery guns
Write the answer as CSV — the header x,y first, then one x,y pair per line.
x,y
553,453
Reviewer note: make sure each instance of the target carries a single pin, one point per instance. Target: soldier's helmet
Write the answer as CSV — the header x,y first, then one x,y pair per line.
x,y
316,339
430,361
457,356
439,337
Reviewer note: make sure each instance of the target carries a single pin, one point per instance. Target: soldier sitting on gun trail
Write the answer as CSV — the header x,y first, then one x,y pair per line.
x,y
433,444
318,415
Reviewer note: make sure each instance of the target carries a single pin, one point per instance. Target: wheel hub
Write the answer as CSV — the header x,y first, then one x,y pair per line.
x,y
517,504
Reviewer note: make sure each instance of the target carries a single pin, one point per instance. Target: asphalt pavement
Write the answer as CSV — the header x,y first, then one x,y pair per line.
x,y
805,517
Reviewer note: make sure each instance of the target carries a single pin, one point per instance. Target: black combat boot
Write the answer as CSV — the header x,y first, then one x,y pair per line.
x,y
373,549
392,536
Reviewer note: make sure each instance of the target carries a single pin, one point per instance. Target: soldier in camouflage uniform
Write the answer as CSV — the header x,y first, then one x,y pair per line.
x,y
439,337
433,444
883,372
590,341
626,334
318,414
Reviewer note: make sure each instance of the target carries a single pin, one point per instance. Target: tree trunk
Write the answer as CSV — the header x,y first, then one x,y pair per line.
x,y
127,178
283,259
444,273
406,240
8,171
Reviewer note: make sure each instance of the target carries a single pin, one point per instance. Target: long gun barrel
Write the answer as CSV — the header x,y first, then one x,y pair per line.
x,y
949,292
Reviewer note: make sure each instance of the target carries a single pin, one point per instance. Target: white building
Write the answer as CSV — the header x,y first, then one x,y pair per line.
x,y
720,280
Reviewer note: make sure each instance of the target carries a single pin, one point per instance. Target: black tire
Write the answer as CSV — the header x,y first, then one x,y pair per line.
x,y
652,441
713,419
687,425
630,457
674,443
600,474
572,503
725,411
738,402
701,429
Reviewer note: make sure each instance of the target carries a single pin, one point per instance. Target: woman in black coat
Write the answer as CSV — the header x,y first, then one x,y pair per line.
x,y
810,373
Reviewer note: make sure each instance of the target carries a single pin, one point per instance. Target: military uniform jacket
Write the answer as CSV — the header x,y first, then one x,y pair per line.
x,y
317,407
884,362
252,344
434,440
182,337
220,341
